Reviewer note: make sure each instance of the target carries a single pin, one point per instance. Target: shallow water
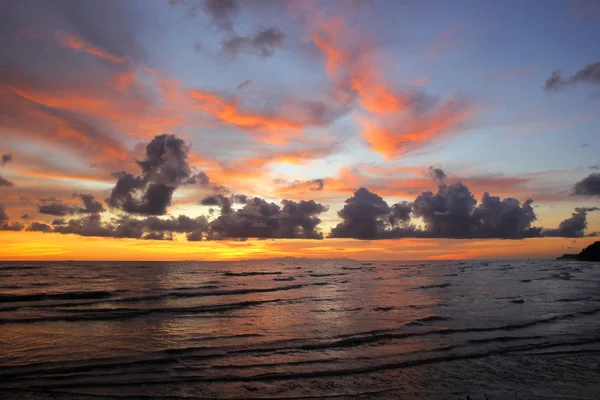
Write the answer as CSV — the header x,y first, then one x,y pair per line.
x,y
300,329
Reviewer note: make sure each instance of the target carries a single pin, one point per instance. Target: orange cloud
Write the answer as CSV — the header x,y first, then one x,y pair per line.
x,y
348,59
271,129
403,133
75,42
392,125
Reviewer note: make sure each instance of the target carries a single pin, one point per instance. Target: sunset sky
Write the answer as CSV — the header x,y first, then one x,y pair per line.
x,y
208,130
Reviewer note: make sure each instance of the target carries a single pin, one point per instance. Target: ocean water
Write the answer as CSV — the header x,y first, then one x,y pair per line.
x,y
300,329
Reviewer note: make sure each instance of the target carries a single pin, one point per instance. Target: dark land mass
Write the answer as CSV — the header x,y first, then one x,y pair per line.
x,y
590,253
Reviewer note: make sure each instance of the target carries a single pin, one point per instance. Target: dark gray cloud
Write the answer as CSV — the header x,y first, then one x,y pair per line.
x,y
364,216
152,228
244,85
263,43
5,182
90,206
588,186
164,169
39,227
589,74
57,209
158,236
504,218
3,215
6,158
199,179
317,184
13,226
90,225
554,82
574,226
261,219
256,219
400,213
25,216
437,174
452,212
220,12
224,202
446,213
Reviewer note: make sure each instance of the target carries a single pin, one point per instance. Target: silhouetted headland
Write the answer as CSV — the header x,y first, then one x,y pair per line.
x,y
590,253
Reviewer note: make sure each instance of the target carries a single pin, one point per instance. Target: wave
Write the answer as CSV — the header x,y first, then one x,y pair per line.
x,y
383,308
251,273
17,298
286,279
310,374
441,285
182,293
95,314
431,318
16,267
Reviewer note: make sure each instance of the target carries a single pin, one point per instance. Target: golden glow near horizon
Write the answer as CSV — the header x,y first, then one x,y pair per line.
x,y
22,246
314,102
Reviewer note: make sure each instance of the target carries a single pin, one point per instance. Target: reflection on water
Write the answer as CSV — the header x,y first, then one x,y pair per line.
x,y
299,328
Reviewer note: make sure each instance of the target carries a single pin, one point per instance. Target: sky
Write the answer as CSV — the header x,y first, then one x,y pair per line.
x,y
228,129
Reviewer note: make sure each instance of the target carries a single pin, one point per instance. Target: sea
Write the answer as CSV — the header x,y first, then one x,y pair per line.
x,y
300,329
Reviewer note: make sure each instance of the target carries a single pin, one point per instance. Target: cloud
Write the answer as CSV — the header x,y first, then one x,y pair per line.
x,y
268,126
589,74
39,227
451,212
199,179
263,43
588,186
446,213
90,206
6,158
397,136
75,42
224,202
437,174
396,120
260,219
504,218
5,225
221,11
14,226
25,216
5,182
164,169
574,226
312,185
57,209
364,216
3,215
90,225
245,84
